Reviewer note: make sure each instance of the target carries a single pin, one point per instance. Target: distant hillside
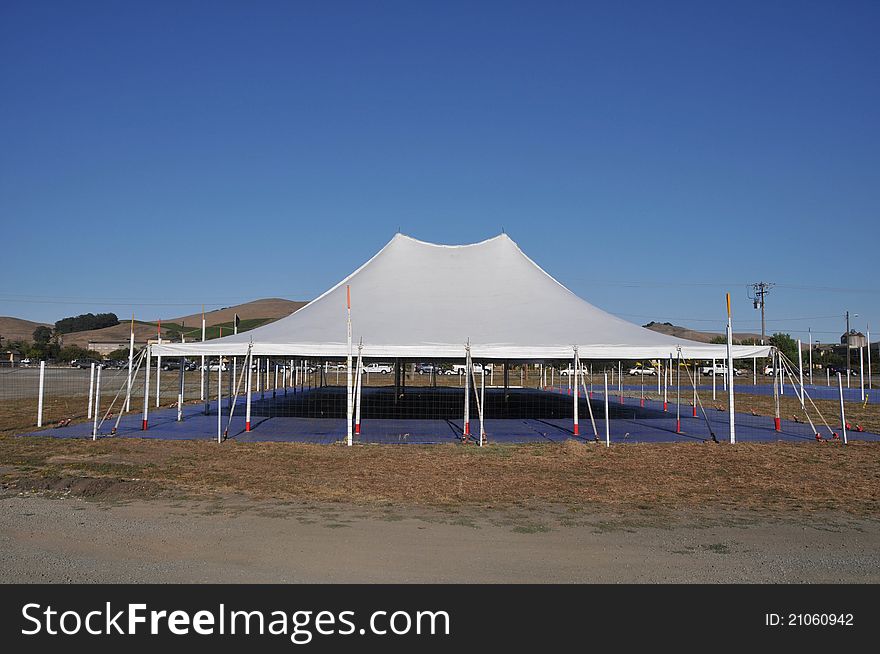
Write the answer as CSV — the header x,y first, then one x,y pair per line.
x,y
252,314
17,329
693,335
269,308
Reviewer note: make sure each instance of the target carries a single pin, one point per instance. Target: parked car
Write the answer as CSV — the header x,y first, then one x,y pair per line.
x,y
214,367
174,364
642,370
719,369
87,363
837,369
428,368
384,368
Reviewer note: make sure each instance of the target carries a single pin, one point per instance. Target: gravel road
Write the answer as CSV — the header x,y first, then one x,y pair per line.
x,y
58,540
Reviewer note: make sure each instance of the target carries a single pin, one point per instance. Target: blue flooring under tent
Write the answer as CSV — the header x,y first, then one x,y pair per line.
x,y
630,423
815,391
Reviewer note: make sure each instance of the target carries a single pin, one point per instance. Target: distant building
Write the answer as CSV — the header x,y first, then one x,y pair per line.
x,y
106,347
856,340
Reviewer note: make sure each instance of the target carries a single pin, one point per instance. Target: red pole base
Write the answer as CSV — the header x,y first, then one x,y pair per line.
x,y
695,411
666,406
642,402
591,395
357,428
621,399
247,426
467,429
576,429
144,426
778,424
677,426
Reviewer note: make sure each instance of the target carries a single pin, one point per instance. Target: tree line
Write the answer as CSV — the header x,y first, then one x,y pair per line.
x,y
85,321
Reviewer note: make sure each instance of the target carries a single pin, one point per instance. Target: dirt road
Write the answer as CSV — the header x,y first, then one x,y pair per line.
x,y
236,539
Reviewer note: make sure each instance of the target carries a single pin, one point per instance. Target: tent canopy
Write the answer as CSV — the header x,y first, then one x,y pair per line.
x,y
423,300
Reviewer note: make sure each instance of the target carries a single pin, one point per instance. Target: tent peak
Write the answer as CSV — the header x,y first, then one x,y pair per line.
x,y
502,236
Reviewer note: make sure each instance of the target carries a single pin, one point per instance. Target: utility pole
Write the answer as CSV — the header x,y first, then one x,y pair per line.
x,y
759,290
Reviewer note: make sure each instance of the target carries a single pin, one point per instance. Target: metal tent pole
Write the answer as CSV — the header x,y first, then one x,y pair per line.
x,y
357,383
91,388
349,396
220,399
842,410
130,361
467,392
607,418
731,416
98,406
576,394
248,361
801,371
678,393
40,396
146,390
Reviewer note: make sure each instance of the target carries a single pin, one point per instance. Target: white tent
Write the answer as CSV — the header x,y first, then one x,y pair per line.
x,y
423,300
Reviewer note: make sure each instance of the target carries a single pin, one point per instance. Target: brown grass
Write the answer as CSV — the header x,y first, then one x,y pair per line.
x,y
776,478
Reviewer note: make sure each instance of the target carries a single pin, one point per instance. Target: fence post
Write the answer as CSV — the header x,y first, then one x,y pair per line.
x,y
91,389
842,411
40,398
97,404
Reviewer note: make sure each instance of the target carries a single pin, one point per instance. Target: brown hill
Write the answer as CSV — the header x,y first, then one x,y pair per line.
x,y
694,335
17,329
270,308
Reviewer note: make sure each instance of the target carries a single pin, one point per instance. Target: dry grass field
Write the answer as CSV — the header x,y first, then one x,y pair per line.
x,y
773,478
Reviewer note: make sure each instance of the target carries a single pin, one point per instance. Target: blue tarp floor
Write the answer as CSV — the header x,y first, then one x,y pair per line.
x,y
629,423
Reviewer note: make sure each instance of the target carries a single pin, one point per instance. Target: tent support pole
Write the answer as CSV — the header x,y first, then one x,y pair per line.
x,y
98,403
678,393
357,383
91,388
607,419
589,397
220,399
349,409
775,363
146,393
467,392
577,391
180,389
249,360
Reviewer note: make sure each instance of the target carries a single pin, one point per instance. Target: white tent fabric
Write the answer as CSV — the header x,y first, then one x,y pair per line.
x,y
423,300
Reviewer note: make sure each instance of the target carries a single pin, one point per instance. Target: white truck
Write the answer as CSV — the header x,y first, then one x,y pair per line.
x,y
383,368
718,369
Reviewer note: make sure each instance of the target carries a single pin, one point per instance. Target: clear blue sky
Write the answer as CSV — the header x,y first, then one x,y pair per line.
x,y
650,155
